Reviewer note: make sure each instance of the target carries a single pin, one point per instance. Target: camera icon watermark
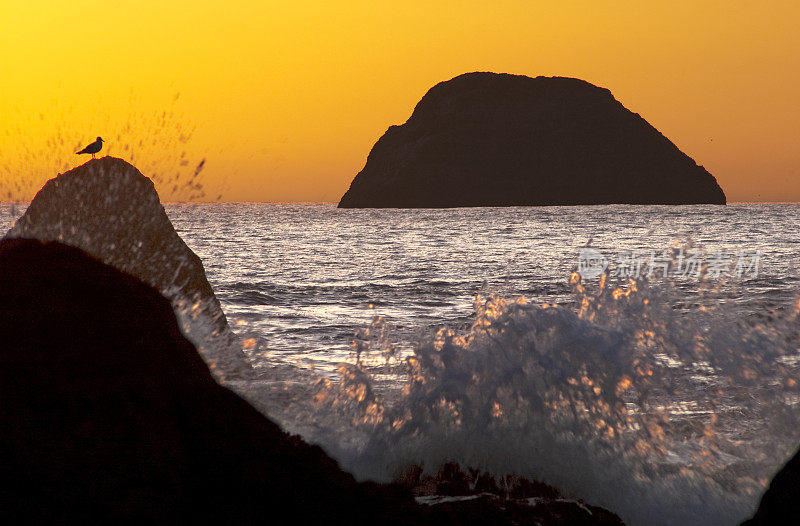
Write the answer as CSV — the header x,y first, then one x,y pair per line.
x,y
591,263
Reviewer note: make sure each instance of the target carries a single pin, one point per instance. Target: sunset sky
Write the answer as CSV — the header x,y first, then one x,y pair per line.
x,y
285,99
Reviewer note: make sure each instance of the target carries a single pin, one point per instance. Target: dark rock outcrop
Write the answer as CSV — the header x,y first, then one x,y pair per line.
x,y
486,139
107,208
780,504
109,415
500,500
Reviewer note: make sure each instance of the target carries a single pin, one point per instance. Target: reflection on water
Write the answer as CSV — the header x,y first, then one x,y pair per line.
x,y
305,277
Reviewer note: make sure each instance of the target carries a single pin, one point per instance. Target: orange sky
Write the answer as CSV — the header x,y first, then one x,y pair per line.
x,y
287,98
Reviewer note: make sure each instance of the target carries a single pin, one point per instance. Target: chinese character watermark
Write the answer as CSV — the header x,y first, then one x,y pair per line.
x,y
670,264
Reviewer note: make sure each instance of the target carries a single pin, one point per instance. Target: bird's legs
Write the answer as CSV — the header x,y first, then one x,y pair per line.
x,y
93,157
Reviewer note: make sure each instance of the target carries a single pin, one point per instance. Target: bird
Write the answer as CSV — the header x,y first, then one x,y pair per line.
x,y
93,148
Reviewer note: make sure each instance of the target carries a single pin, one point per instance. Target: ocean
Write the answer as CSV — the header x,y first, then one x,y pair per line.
x,y
642,358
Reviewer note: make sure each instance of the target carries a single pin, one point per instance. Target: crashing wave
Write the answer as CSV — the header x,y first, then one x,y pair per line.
x,y
660,412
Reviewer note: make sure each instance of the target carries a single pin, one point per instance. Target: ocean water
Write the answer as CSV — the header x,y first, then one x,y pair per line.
x,y
306,277
664,386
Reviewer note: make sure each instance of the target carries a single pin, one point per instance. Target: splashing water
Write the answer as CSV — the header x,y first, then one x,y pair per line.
x,y
157,143
660,412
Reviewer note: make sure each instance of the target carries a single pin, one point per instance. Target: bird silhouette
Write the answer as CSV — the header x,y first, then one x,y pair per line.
x,y
93,148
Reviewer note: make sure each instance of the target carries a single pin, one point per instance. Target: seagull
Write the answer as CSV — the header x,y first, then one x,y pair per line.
x,y
93,148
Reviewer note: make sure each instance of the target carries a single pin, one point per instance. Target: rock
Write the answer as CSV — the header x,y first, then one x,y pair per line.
x,y
488,499
780,504
107,208
109,415
487,139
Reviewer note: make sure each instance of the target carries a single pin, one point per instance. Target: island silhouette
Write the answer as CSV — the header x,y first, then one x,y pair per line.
x,y
488,139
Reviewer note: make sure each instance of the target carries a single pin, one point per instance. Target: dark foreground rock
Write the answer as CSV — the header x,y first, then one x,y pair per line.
x,y
108,209
780,504
508,499
109,415
487,139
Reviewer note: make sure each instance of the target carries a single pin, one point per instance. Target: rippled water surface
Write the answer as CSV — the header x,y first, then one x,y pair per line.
x,y
307,276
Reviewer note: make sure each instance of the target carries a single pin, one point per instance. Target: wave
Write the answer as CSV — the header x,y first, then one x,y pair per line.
x,y
663,414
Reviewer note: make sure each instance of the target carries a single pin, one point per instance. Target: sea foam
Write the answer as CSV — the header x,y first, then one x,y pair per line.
x,y
663,413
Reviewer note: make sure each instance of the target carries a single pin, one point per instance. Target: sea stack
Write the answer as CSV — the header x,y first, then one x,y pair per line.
x,y
488,139
108,209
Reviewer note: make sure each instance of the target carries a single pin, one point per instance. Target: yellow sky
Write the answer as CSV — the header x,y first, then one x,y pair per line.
x,y
287,98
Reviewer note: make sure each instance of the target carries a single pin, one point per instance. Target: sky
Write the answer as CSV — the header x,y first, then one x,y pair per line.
x,y
284,100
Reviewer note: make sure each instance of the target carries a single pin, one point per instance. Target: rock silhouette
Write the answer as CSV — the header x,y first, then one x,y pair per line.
x,y
109,415
487,139
107,208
